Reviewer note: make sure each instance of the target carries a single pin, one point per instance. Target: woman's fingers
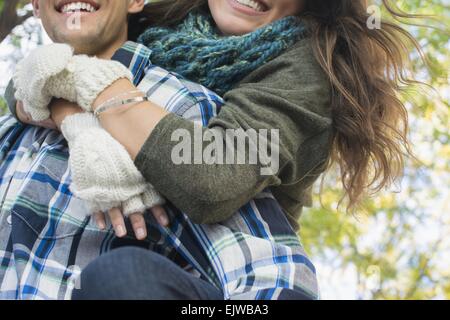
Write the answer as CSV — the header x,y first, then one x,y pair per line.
x,y
100,220
138,222
25,117
161,216
118,222
48,124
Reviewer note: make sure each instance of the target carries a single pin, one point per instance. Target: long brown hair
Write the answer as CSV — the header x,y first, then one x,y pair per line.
x,y
367,70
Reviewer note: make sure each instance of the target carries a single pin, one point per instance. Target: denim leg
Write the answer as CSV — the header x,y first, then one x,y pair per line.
x,y
137,274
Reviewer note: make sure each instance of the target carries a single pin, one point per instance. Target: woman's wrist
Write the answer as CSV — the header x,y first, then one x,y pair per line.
x,y
25,118
114,90
131,125
60,109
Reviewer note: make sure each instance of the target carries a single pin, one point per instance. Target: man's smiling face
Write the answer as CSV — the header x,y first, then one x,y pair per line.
x,y
90,26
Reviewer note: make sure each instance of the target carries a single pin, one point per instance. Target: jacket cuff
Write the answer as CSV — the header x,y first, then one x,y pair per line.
x,y
11,100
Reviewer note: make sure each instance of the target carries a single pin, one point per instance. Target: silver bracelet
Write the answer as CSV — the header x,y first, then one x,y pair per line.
x,y
128,93
114,104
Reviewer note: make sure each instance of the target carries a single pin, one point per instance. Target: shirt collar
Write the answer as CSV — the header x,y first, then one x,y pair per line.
x,y
135,57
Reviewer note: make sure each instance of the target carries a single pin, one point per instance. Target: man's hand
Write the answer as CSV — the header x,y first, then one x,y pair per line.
x,y
26,118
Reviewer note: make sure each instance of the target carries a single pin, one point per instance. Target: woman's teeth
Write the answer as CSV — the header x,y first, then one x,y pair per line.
x,y
77,7
252,4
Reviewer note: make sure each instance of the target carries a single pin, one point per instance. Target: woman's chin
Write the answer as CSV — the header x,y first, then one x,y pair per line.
x,y
235,26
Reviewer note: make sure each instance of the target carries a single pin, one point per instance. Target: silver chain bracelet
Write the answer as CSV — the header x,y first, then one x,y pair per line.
x,y
114,104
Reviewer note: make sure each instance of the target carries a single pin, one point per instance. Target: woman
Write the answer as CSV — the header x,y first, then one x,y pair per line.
x,y
364,66
369,122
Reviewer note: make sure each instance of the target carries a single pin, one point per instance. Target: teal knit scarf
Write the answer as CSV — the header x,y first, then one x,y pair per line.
x,y
196,50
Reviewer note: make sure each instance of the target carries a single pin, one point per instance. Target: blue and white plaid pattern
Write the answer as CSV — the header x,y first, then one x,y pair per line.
x,y
46,240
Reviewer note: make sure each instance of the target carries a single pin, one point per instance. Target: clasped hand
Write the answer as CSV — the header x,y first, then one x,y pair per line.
x,y
54,72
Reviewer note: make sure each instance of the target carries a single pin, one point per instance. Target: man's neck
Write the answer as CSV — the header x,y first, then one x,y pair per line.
x,y
106,53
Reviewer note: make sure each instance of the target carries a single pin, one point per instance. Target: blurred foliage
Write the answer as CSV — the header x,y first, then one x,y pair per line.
x,y
398,246
18,3
3,107
12,13
19,33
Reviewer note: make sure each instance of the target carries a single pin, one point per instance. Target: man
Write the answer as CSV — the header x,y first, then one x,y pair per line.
x,y
45,241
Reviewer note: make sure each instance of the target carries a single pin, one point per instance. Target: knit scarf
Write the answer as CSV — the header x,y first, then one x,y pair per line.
x,y
197,51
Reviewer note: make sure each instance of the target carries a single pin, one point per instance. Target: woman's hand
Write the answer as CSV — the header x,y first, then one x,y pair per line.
x,y
137,221
60,109
26,118
33,74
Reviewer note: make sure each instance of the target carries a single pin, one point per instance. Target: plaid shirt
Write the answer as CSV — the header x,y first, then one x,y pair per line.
x,y
46,238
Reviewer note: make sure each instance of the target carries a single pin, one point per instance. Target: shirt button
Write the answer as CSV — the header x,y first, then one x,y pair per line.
x,y
9,220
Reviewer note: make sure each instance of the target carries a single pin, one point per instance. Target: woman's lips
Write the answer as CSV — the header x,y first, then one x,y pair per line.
x,y
247,10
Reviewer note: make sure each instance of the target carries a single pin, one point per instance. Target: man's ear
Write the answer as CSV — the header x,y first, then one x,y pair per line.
x,y
35,4
136,6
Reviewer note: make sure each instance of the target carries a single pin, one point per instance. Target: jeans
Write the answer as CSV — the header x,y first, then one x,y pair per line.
x,y
136,274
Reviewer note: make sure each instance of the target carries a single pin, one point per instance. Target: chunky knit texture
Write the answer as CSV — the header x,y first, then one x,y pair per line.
x,y
103,173
53,71
92,76
86,77
32,75
197,51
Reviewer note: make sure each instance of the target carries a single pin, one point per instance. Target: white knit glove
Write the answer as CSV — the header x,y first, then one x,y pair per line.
x,y
103,174
31,76
140,203
53,71
137,204
86,77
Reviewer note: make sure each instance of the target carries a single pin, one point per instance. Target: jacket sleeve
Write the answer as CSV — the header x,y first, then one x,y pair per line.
x,y
289,94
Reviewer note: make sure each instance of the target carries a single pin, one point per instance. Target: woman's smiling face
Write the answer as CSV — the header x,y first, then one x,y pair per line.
x,y
237,17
